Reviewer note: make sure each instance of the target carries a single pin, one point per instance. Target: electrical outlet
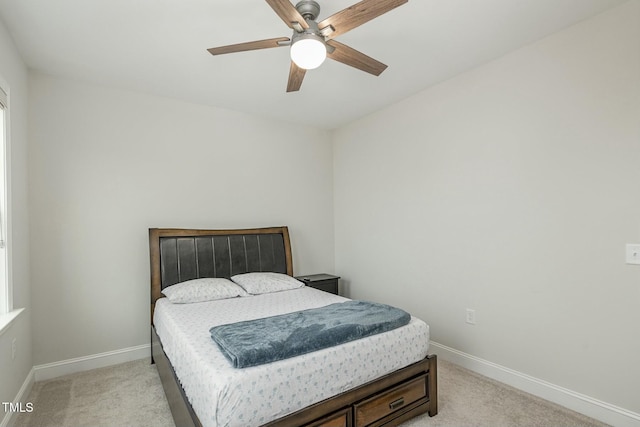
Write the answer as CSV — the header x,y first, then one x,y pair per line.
x,y
13,349
471,316
633,254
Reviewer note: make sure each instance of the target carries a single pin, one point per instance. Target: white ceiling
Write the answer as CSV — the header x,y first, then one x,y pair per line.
x,y
159,47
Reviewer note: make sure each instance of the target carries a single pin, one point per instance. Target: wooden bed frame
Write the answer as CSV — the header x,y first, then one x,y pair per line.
x,y
177,255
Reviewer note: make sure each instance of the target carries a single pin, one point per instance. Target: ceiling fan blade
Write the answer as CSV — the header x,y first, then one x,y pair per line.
x,y
354,58
288,13
296,75
241,47
358,14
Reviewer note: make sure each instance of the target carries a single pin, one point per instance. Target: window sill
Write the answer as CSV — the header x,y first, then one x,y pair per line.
x,y
7,319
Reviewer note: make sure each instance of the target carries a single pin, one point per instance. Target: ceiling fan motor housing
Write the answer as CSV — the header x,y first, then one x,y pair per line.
x,y
311,32
309,9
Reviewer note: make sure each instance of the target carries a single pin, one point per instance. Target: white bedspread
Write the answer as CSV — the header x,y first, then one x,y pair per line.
x,y
224,396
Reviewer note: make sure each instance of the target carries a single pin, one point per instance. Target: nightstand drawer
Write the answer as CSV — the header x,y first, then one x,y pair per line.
x,y
326,285
324,282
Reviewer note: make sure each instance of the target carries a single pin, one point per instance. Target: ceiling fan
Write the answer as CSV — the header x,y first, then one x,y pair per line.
x,y
313,41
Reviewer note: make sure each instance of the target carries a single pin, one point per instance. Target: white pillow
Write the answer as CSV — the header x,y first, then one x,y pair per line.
x,y
205,289
262,283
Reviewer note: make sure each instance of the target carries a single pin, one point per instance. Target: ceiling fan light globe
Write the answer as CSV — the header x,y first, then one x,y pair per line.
x,y
308,53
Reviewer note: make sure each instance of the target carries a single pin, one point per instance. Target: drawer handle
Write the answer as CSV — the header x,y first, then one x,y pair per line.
x,y
396,403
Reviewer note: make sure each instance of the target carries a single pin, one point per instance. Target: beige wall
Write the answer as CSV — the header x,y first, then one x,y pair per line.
x,y
14,77
106,165
512,190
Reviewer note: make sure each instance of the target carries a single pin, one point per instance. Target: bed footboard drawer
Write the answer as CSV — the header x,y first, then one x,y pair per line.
x,y
391,402
341,418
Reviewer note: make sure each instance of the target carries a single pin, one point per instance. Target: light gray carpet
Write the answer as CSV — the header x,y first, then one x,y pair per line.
x,y
469,399
130,395
126,395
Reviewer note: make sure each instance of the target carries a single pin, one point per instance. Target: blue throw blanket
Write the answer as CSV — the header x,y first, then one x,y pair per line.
x,y
259,341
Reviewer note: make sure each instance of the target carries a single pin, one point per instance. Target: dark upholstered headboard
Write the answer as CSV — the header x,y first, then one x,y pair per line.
x,y
178,255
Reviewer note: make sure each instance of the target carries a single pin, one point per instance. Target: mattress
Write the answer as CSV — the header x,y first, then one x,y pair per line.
x,y
225,396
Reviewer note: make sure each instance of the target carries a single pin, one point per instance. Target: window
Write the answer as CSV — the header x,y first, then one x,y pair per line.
x,y
5,289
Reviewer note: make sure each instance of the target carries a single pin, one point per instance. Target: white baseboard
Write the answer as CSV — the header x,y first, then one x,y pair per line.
x,y
581,403
22,395
101,360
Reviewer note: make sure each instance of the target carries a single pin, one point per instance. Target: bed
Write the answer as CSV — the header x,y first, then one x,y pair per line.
x,y
366,382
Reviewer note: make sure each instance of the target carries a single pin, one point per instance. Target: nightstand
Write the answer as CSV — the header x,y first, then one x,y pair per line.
x,y
324,282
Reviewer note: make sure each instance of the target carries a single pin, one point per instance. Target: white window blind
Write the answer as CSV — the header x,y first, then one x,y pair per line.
x,y
3,138
5,291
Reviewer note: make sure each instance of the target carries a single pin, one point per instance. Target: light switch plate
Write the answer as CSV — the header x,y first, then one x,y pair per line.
x,y
633,254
